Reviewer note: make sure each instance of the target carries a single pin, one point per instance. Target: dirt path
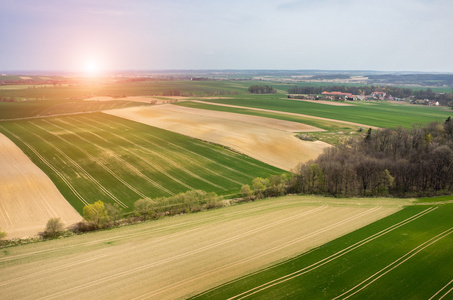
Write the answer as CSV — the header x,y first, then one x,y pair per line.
x,y
269,140
288,113
28,198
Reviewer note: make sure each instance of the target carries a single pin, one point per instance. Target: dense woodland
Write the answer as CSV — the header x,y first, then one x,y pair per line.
x,y
397,162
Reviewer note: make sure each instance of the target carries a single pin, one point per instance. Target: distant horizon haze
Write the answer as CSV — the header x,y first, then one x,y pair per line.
x,y
93,37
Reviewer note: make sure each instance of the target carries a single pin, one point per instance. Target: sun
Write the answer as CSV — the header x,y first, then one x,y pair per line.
x,y
92,67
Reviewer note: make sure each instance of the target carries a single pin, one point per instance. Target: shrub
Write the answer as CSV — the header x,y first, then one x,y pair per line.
x,y
54,228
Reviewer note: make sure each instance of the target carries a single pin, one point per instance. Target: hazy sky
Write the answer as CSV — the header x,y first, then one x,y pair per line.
x,y
73,35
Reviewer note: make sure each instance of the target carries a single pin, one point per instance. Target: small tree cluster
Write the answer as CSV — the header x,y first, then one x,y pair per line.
x,y
191,201
273,186
262,89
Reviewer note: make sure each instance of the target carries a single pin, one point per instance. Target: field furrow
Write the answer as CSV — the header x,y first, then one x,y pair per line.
x,y
122,161
78,167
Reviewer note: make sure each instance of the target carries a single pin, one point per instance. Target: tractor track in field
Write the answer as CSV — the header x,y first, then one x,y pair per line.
x,y
365,283
77,165
332,257
155,153
198,155
257,256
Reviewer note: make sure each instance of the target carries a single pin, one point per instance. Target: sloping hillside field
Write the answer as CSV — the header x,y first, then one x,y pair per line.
x,y
28,198
95,156
405,256
184,255
269,140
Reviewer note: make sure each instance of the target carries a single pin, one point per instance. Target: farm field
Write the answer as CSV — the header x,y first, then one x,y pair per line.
x,y
407,255
28,198
384,115
268,140
39,108
184,255
324,123
96,156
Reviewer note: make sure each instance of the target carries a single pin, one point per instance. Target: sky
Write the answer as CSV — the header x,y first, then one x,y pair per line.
x,y
112,35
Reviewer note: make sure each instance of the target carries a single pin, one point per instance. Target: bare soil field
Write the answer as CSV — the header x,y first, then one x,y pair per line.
x,y
28,198
180,256
265,139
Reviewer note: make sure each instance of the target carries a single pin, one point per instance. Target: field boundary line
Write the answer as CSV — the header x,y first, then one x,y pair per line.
x,y
200,145
258,255
331,257
394,264
76,164
174,163
439,291
180,256
65,180
285,113
157,168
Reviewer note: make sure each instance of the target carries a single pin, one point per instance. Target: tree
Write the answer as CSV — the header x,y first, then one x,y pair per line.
x,y
114,211
96,214
259,186
144,207
246,192
54,228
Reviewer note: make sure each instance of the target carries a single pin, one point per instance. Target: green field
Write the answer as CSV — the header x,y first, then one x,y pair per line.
x,y
407,255
324,124
379,114
36,108
95,156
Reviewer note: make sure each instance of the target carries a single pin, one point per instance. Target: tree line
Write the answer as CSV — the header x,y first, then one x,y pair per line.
x,y
398,92
100,215
390,162
262,89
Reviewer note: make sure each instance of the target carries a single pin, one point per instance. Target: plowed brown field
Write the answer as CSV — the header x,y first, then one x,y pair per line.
x,y
28,198
269,140
180,256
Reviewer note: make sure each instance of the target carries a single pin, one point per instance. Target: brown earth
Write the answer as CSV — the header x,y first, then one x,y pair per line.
x,y
269,140
180,256
28,198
